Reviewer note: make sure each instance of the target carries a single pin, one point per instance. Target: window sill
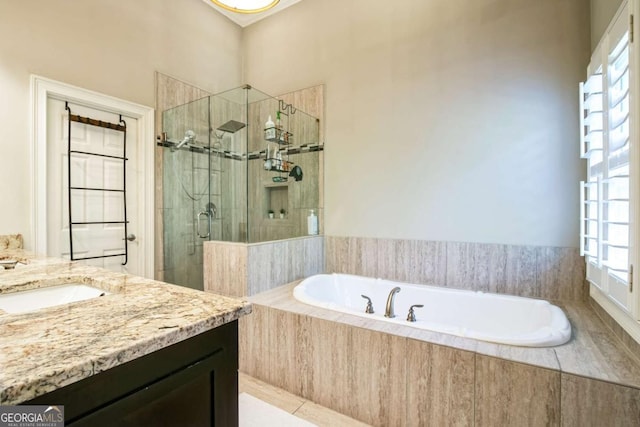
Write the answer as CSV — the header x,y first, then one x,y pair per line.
x,y
620,316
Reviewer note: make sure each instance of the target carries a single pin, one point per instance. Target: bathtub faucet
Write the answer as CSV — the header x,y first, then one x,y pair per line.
x,y
388,312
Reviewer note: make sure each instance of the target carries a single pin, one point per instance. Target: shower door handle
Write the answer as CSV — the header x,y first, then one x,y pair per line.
x,y
205,213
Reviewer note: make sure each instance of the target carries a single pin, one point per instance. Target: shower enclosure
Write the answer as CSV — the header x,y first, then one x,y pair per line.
x,y
226,177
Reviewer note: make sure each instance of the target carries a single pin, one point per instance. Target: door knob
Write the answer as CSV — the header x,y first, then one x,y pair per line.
x,y
130,237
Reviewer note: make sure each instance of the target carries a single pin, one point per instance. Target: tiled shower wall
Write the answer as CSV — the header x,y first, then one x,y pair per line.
x,y
302,195
311,101
532,271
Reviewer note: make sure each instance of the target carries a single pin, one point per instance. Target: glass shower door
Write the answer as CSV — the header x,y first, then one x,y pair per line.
x,y
189,210
225,179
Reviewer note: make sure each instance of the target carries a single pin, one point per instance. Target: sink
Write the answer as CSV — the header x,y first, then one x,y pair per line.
x,y
21,302
8,264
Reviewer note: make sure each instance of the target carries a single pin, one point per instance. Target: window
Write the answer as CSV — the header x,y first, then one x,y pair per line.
x,y
608,196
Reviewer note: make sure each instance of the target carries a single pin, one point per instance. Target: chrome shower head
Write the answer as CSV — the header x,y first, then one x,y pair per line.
x,y
232,126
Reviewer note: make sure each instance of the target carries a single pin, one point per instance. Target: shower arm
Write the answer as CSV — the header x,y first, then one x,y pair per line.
x,y
189,136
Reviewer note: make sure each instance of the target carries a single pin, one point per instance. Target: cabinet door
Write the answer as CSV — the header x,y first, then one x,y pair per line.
x,y
191,382
202,394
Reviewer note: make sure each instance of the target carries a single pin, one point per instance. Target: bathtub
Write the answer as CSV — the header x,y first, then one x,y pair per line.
x,y
503,319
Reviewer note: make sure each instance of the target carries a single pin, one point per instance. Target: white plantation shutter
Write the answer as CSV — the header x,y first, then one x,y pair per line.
x,y
591,148
605,197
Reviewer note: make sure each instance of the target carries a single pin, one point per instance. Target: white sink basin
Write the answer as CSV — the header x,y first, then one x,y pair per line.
x,y
9,264
20,302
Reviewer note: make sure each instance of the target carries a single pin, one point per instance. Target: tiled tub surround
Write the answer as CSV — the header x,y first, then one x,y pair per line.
x,y
241,269
531,271
396,375
551,273
43,350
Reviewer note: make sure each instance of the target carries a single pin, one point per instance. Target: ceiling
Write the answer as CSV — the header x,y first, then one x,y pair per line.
x,y
244,19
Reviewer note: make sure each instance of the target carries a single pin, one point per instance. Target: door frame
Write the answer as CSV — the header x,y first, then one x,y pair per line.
x,y
43,89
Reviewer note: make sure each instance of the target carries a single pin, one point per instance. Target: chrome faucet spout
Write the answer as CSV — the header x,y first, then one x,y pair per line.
x,y
388,312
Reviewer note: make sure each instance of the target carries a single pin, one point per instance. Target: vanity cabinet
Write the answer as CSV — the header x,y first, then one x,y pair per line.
x,y
191,383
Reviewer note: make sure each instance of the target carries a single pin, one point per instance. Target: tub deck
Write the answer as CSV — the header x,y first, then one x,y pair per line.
x,y
594,374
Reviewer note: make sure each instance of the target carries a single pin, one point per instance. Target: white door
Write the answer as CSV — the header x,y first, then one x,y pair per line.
x,y
103,211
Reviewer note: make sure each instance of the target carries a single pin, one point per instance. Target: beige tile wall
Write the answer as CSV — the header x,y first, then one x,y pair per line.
x,y
272,264
404,260
541,272
393,380
369,364
225,268
238,269
435,373
514,394
587,402
550,273
632,345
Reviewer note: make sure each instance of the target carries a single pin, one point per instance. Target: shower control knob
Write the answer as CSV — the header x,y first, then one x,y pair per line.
x,y
130,237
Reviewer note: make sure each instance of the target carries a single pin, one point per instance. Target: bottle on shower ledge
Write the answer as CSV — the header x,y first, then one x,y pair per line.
x,y
269,129
279,132
312,223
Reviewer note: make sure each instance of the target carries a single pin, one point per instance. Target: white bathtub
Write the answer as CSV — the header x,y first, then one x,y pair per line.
x,y
496,318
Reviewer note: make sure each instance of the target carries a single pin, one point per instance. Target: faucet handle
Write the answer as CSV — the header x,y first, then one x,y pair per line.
x,y
411,317
369,309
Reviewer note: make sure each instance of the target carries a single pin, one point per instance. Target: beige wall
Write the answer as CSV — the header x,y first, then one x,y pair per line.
x,y
446,120
602,12
112,47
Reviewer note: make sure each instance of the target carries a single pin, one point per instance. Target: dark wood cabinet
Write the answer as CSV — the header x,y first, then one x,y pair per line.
x,y
190,383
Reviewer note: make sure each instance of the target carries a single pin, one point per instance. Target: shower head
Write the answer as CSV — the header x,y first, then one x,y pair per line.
x,y
189,136
231,126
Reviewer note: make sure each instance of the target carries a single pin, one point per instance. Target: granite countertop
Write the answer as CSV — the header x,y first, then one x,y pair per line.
x,y
46,349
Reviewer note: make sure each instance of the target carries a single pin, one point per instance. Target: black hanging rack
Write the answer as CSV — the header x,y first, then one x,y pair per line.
x,y
121,127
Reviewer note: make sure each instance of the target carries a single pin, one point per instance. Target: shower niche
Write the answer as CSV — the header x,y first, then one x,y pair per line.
x,y
223,175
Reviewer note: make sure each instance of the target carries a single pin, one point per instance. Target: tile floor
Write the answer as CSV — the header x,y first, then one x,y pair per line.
x,y
254,412
295,405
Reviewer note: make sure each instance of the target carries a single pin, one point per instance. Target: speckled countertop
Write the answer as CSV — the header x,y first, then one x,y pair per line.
x,y
46,349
